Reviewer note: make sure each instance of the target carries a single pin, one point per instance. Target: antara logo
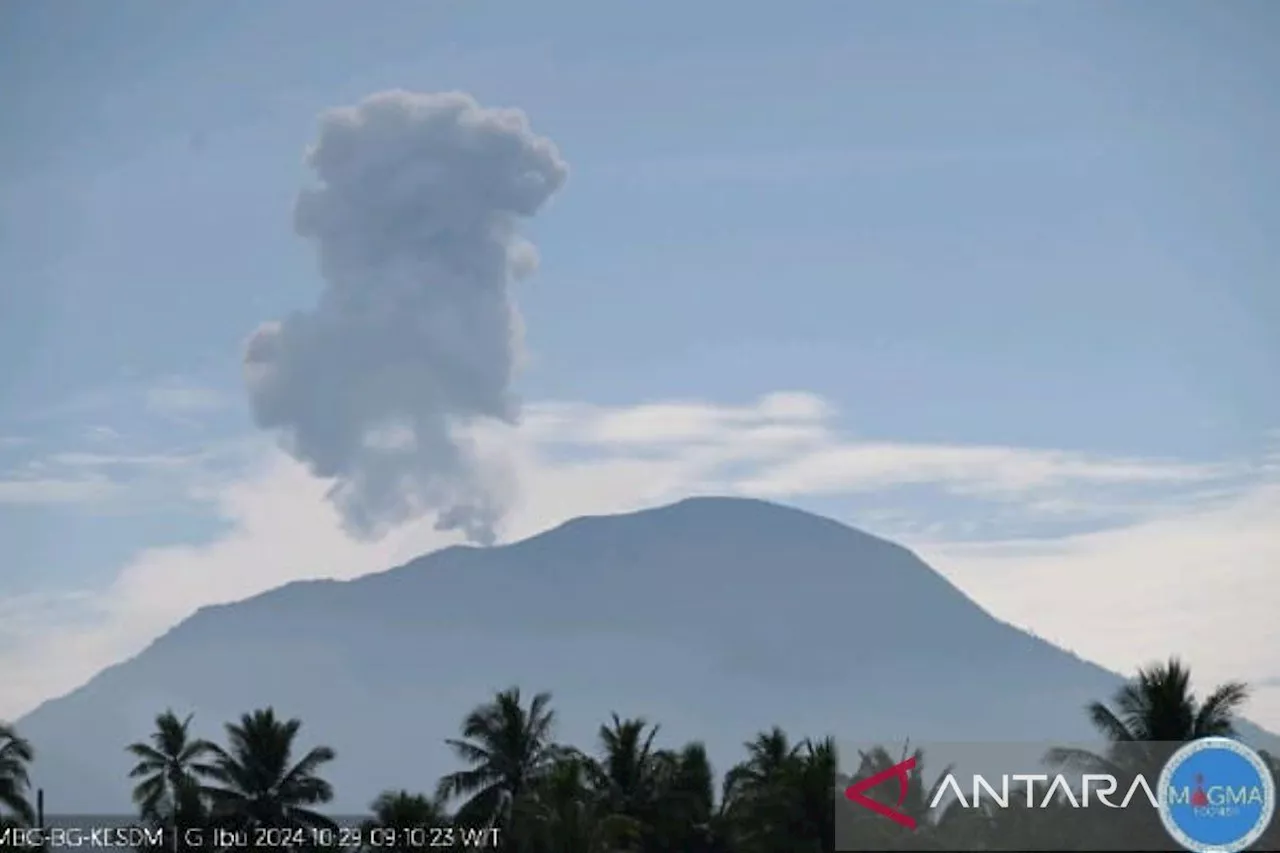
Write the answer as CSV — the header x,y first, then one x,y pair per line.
x,y
1093,788
1039,790
901,771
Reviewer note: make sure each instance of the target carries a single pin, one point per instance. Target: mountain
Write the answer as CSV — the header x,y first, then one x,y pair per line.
x,y
715,617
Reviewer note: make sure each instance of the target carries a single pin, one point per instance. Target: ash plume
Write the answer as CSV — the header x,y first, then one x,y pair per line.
x,y
414,217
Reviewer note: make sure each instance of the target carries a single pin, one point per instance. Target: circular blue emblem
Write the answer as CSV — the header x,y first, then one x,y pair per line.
x,y
1216,795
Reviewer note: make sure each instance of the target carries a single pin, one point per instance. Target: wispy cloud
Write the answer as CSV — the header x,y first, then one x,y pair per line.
x,y
1198,579
1202,535
181,399
35,490
123,482
800,417
974,469
172,398
796,448
81,459
101,434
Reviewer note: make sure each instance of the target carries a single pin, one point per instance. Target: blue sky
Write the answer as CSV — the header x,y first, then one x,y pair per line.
x,y
1028,230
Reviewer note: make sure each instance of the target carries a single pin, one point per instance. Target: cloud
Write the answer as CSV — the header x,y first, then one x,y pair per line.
x,y
101,434
976,469
799,453
89,460
415,335
96,412
1186,572
36,490
1200,580
121,482
798,416
181,400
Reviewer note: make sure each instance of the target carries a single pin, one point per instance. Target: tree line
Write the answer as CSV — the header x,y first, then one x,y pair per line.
x,y
519,789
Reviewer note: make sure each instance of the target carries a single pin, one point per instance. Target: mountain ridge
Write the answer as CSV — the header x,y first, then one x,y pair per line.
x,y
715,616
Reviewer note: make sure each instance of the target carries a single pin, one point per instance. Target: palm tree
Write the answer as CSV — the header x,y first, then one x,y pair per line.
x,y
1156,707
627,777
169,767
1154,713
690,818
782,798
258,784
564,814
400,810
761,794
813,773
16,755
767,759
509,748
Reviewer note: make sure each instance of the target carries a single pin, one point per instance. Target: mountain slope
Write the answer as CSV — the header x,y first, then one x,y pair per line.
x,y
716,617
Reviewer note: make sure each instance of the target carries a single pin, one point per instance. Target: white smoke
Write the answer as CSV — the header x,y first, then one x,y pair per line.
x,y
415,221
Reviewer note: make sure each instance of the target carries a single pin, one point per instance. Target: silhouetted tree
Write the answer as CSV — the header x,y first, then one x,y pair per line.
x,y
565,814
510,750
634,796
170,768
257,783
401,811
16,755
1153,714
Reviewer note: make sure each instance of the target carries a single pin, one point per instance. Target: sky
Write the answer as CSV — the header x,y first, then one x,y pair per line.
x,y
305,289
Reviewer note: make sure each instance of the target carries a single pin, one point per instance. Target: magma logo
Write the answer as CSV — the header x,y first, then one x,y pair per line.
x,y
1216,796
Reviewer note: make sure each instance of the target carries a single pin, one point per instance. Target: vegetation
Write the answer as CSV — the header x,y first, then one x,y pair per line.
x,y
520,790
15,782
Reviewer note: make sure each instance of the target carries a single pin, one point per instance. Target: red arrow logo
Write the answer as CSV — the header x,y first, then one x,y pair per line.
x,y
855,792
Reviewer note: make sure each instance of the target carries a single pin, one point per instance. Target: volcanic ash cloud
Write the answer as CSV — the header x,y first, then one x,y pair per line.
x,y
414,216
